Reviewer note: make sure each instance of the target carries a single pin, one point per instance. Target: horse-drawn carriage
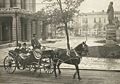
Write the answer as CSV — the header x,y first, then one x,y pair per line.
x,y
48,60
34,61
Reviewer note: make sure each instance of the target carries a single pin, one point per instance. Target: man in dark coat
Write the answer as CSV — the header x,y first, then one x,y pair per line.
x,y
35,43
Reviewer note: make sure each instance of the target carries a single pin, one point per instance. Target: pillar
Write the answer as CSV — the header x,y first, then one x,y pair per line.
x,y
19,28
27,4
0,31
33,27
44,31
111,34
33,5
18,3
29,29
14,29
39,28
7,3
30,5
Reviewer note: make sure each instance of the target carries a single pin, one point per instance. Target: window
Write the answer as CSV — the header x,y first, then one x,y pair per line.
x,y
2,3
104,20
85,20
13,3
99,20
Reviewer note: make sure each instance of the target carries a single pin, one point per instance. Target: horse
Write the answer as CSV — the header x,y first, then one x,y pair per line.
x,y
74,58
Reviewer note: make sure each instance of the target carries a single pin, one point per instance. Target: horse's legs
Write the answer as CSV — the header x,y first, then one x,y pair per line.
x,y
54,64
77,71
58,66
74,75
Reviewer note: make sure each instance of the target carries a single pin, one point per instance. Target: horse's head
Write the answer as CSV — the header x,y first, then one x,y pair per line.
x,y
81,49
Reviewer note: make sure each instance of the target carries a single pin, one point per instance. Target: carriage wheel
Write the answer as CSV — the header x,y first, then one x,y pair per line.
x,y
33,67
9,64
48,67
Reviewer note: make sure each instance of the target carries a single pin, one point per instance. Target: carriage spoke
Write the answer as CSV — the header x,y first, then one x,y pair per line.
x,y
9,64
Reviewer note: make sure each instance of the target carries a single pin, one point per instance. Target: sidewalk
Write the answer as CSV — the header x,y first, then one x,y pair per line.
x,y
97,64
86,63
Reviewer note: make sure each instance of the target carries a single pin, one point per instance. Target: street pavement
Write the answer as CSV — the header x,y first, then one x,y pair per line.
x,y
86,62
88,77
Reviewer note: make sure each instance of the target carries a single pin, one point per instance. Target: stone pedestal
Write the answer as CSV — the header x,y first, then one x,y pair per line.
x,y
111,34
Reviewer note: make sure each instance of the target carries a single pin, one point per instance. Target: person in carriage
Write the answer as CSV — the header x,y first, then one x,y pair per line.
x,y
36,47
35,43
18,48
24,55
24,51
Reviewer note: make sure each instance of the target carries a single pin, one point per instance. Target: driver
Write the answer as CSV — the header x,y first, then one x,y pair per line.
x,y
36,47
35,43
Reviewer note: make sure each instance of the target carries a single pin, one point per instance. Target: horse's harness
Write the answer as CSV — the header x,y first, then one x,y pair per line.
x,y
77,56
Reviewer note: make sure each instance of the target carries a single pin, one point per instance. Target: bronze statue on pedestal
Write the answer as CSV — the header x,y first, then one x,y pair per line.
x,y
110,12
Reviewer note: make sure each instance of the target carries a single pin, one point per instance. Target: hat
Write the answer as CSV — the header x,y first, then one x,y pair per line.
x,y
24,44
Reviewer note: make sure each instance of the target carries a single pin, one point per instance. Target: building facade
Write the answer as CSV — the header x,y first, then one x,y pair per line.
x,y
92,24
16,22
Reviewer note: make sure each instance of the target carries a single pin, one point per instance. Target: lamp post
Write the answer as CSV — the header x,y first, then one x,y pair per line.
x,y
86,26
16,29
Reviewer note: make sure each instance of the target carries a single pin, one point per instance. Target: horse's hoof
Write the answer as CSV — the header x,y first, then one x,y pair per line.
x,y
55,76
59,73
73,77
80,78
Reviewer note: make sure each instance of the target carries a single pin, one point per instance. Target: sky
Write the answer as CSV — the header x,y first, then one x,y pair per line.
x,y
90,5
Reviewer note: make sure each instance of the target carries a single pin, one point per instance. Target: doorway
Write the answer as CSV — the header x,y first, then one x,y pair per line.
x,y
24,29
5,29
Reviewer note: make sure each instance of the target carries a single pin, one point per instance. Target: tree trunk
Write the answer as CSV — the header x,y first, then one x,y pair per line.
x,y
67,36
64,21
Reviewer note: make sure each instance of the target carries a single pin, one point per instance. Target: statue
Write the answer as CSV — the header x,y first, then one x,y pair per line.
x,y
110,12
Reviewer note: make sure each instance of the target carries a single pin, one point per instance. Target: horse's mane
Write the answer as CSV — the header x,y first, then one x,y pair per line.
x,y
78,49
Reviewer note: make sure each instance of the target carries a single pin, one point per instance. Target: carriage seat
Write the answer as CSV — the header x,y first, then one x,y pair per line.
x,y
24,56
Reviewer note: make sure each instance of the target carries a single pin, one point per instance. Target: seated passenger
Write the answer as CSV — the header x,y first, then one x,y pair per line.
x,y
18,48
24,51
